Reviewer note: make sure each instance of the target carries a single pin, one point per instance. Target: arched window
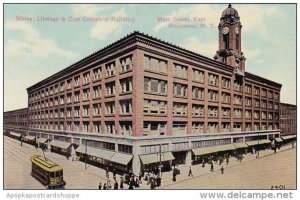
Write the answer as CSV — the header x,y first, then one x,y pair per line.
x,y
237,41
226,41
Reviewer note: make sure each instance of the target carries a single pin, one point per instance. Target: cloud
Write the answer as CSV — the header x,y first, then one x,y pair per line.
x,y
205,48
32,46
102,30
88,10
253,53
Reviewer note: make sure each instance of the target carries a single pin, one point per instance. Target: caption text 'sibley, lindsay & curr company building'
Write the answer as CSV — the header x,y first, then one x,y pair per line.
x,y
141,101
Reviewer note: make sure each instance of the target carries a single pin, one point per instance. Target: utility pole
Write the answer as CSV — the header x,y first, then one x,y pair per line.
x,y
85,160
257,144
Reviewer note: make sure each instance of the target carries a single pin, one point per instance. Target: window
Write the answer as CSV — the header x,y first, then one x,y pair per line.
x,y
225,112
256,114
126,128
248,88
225,97
97,74
225,127
110,127
110,88
76,81
97,91
248,101
212,127
197,110
155,86
237,113
238,86
197,127
126,63
237,126
198,76
180,71
86,78
97,127
77,111
213,80
154,64
110,107
97,109
212,111
155,107
226,83
179,90
85,111
110,69
256,103
126,106
86,94
198,93
256,90
213,95
86,126
263,92
126,85
179,109
248,114
179,128
154,128
238,100
263,115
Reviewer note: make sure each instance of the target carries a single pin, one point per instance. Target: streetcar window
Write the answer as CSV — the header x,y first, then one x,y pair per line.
x,y
52,174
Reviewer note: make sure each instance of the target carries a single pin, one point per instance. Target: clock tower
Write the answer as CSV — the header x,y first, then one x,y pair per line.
x,y
230,40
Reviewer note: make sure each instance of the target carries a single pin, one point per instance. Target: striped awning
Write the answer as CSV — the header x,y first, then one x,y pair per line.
x,y
60,144
100,153
30,137
15,134
121,158
240,145
213,149
288,137
278,140
155,157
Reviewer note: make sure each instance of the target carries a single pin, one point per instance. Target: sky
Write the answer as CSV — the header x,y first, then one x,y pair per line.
x,y
42,39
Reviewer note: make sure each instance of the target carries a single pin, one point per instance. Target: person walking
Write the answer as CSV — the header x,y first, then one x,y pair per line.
x,y
211,166
104,186
227,159
222,170
116,186
106,171
190,172
100,186
121,183
21,140
115,174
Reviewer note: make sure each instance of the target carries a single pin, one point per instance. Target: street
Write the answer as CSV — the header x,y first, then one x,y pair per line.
x,y
269,170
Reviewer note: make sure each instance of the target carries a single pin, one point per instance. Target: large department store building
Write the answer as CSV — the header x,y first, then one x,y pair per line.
x,y
142,101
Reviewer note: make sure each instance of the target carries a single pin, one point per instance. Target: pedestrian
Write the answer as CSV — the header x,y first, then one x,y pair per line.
x,y
212,166
152,184
174,175
227,160
21,140
104,186
222,170
67,155
190,172
203,163
116,186
36,146
100,186
121,182
114,174
107,175
140,177
131,183
108,184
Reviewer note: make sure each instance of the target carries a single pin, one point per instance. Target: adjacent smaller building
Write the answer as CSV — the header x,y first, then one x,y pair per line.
x,y
288,119
16,120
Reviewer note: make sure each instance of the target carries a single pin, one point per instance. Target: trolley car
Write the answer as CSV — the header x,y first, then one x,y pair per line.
x,y
47,172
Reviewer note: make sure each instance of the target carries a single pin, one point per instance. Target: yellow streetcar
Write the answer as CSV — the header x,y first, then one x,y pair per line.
x,y
47,172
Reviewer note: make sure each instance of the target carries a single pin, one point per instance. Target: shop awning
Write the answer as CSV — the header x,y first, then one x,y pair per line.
x,y
264,141
288,137
15,134
278,140
155,158
60,144
30,137
256,142
240,145
121,158
100,153
43,140
213,149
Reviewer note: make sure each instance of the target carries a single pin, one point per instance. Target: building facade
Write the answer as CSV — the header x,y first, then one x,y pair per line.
x,y
288,119
144,101
16,120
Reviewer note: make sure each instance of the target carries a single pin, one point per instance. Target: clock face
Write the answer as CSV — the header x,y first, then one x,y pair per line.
x,y
225,30
237,30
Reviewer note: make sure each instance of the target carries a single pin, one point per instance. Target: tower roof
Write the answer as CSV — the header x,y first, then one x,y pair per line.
x,y
230,11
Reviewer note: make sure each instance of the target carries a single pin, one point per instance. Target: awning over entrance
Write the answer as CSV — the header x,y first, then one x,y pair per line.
x,y
100,153
213,149
121,158
43,140
60,144
278,140
30,137
256,142
240,145
154,158
288,137
15,134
